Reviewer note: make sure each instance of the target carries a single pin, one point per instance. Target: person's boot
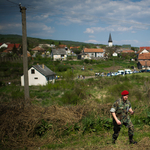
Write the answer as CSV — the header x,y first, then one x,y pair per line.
x,y
131,141
113,141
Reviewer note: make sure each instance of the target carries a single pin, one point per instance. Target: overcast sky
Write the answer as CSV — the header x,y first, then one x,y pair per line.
x,y
90,21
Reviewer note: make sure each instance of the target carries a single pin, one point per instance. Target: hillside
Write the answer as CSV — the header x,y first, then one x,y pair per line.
x,y
18,39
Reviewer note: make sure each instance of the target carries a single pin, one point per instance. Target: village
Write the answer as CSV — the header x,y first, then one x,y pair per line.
x,y
41,74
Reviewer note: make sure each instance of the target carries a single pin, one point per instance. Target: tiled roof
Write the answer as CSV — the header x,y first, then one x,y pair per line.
x,y
143,49
37,49
44,70
59,51
75,47
8,50
93,50
144,56
146,47
62,46
12,45
145,63
127,51
28,54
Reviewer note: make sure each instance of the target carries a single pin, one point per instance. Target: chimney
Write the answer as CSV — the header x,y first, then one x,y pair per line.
x,y
43,66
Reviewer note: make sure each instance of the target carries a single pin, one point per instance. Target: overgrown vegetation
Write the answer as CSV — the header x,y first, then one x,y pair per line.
x,y
73,113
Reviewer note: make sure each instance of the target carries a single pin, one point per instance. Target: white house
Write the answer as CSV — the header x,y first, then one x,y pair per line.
x,y
3,45
94,52
144,51
39,75
114,54
59,54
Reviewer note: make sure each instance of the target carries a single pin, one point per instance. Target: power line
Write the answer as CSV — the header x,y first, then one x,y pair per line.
x,y
12,2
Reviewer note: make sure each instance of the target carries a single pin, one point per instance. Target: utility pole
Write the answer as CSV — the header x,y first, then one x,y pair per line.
x,y
25,58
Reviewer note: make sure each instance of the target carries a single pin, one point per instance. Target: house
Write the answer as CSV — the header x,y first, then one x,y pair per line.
x,y
94,52
59,54
10,47
3,45
39,75
114,54
38,49
144,50
83,56
62,46
143,65
128,51
143,60
44,45
75,47
68,51
144,57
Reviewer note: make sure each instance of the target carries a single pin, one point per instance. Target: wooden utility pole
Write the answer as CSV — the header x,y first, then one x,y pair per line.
x,y
25,58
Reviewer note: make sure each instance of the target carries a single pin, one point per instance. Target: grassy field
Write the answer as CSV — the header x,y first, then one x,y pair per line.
x,y
73,114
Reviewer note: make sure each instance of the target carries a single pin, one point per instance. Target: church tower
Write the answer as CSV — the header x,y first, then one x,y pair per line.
x,y
110,42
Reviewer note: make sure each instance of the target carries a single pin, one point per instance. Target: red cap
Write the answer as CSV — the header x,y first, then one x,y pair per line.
x,y
125,92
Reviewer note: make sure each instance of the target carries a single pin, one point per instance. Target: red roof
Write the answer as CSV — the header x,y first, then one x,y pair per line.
x,y
75,47
93,50
12,45
142,48
37,49
127,51
62,46
144,56
146,47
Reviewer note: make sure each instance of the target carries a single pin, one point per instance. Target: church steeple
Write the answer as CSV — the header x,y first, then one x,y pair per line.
x,y
110,42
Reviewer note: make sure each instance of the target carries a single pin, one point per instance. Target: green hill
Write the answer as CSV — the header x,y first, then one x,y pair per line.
x,y
13,38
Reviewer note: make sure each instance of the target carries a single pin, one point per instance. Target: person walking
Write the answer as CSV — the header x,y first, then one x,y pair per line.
x,y
119,111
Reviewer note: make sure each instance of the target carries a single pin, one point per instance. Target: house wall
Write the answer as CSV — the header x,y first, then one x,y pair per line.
x,y
37,78
99,54
58,57
144,51
115,54
95,54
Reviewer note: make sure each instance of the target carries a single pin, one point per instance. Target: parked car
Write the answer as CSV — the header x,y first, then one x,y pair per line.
x,y
120,72
115,73
108,74
144,70
135,71
128,71
97,74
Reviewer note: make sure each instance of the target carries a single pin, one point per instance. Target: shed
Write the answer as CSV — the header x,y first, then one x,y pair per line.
x,y
39,75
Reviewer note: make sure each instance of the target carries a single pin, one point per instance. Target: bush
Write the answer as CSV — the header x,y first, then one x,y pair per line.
x,y
62,68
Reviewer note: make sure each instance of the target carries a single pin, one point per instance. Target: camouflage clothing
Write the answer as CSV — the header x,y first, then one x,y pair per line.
x,y
121,108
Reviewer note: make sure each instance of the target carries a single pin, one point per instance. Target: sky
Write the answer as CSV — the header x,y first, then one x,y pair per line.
x,y
89,21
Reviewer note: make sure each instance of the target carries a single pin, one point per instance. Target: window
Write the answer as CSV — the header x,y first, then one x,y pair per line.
x,y
35,77
32,71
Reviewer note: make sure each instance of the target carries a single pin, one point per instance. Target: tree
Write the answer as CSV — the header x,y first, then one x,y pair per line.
x,y
14,50
76,51
110,50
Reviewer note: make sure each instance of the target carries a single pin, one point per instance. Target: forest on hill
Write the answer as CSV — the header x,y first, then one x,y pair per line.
x,y
35,41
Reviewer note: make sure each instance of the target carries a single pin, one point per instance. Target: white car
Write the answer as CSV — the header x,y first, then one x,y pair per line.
x,y
120,72
128,71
